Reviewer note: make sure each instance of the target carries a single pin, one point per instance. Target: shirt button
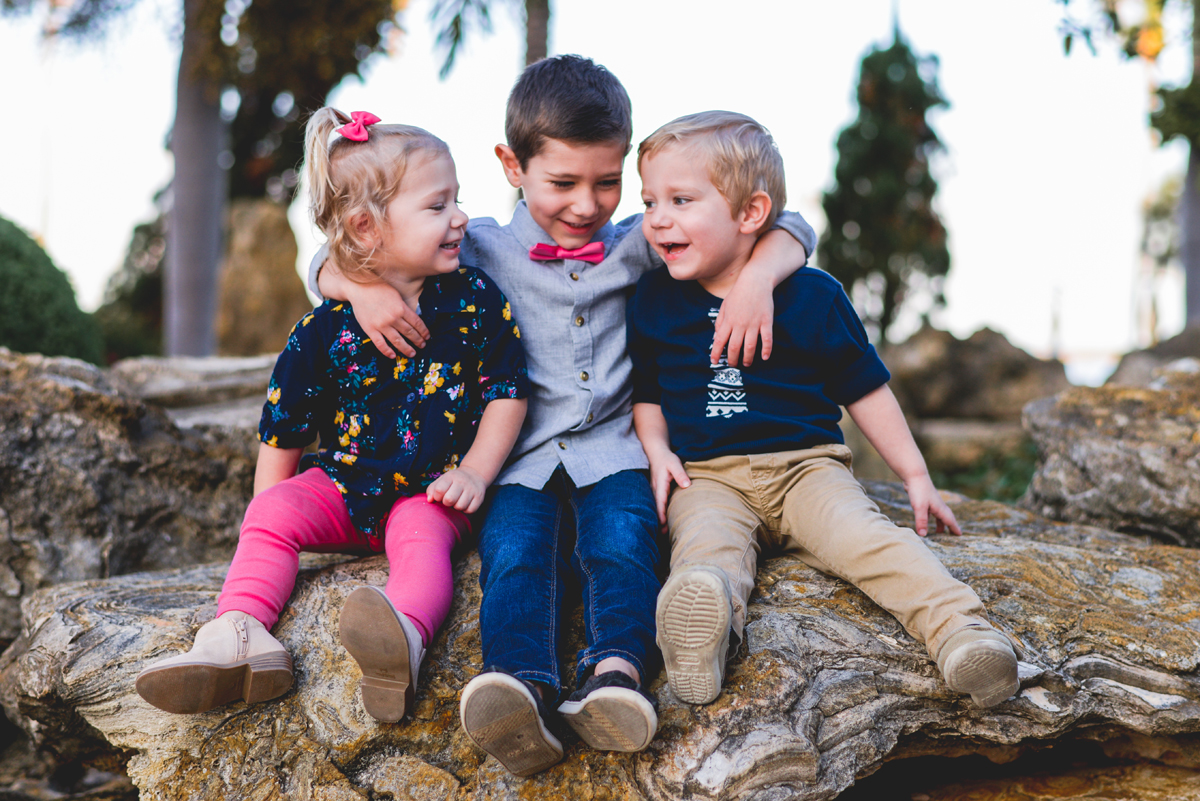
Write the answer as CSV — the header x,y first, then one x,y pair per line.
x,y
574,276
590,416
562,445
579,320
583,376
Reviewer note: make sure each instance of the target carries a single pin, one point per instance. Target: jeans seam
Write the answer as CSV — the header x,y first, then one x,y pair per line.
x,y
555,600
590,606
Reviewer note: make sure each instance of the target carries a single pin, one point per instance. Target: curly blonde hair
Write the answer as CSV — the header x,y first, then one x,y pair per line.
x,y
347,179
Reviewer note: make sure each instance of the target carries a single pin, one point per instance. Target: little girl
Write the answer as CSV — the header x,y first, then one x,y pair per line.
x,y
407,445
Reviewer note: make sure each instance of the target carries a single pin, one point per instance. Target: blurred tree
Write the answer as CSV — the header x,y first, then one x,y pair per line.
x,y
1178,112
453,18
882,233
130,317
38,312
246,70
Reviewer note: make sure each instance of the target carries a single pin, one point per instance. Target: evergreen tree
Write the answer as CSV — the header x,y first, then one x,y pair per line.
x,y
882,229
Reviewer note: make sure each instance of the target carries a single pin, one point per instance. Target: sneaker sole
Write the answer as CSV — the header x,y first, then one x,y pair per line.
x,y
189,689
693,620
612,719
988,672
500,716
372,634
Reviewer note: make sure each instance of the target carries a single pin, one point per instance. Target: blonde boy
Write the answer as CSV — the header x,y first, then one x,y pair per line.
x,y
756,451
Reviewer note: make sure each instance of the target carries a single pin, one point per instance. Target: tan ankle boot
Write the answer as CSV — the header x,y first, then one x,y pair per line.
x,y
234,657
388,649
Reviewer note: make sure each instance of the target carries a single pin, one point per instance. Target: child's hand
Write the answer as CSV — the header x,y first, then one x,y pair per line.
x,y
746,317
926,501
461,488
664,469
388,320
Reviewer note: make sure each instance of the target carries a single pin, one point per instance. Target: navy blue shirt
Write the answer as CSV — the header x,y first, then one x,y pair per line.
x,y
389,427
821,360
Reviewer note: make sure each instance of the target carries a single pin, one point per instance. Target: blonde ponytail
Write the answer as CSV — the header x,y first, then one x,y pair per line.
x,y
347,179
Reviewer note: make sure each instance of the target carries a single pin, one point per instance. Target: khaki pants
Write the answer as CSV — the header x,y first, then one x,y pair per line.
x,y
808,504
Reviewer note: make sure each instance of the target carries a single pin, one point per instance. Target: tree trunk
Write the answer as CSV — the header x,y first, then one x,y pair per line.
x,y
1190,224
537,30
198,191
1190,209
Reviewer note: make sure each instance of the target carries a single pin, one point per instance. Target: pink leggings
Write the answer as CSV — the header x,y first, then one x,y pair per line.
x,y
306,513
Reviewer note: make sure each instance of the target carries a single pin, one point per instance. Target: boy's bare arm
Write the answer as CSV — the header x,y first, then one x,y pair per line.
x,y
748,313
274,465
464,487
878,416
665,466
379,309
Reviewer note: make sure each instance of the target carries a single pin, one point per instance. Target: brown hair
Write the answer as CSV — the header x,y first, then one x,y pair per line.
x,y
347,178
742,156
569,98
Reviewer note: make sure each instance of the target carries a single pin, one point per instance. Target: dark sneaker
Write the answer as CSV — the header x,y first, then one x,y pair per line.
x,y
693,616
504,716
611,712
981,662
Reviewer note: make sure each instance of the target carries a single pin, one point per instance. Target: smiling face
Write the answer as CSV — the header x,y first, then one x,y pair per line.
x,y
690,223
571,189
424,230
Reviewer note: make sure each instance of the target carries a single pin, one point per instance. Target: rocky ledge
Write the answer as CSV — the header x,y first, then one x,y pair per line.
x,y
827,688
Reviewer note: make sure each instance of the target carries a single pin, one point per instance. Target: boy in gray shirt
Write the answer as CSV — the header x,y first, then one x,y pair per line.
x,y
573,505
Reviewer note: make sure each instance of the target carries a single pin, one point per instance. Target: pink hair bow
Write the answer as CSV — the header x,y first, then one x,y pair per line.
x,y
357,128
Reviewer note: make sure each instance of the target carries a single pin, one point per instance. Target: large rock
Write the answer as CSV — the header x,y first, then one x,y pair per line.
x,y
95,483
1138,368
219,398
261,295
1123,457
983,377
827,689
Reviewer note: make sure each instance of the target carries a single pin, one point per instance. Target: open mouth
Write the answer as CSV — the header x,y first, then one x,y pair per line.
x,y
451,245
577,228
673,249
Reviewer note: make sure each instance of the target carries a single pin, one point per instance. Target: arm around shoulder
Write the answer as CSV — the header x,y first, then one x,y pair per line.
x,y
378,308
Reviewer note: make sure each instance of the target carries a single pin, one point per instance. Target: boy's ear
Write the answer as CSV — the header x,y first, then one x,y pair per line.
x,y
754,213
511,165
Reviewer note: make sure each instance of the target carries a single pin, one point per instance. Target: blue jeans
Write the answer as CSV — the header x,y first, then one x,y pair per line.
x,y
536,544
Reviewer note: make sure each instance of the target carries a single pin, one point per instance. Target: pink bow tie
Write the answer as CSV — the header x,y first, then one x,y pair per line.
x,y
357,128
592,251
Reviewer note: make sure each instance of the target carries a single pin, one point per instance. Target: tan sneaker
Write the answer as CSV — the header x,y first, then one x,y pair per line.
x,y
388,649
693,617
980,661
234,657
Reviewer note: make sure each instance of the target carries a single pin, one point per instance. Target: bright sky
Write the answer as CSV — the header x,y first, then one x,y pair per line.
x,y
1049,158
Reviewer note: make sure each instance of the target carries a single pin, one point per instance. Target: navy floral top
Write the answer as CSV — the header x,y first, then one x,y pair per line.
x,y
389,427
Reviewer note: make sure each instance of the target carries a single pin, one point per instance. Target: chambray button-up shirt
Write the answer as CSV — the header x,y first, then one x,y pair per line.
x,y
572,319
572,316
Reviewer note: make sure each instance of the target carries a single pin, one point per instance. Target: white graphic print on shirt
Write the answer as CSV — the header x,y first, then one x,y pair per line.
x,y
726,397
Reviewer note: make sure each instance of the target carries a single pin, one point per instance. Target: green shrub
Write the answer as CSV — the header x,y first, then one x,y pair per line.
x,y
38,312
